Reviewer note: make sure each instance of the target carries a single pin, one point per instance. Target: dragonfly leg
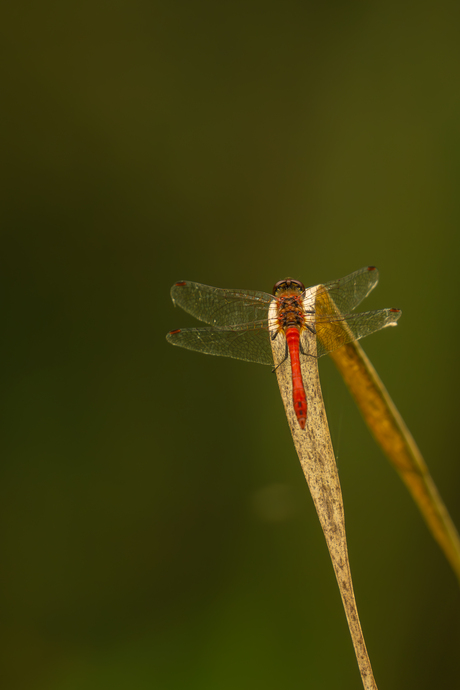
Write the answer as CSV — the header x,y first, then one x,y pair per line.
x,y
302,351
286,355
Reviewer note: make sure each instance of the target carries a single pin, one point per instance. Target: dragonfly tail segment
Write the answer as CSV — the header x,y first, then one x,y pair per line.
x,y
299,398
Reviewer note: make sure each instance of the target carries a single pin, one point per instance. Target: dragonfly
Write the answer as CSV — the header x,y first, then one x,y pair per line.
x,y
239,325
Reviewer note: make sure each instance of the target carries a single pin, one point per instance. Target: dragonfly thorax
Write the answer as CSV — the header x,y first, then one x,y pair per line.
x,y
289,293
290,311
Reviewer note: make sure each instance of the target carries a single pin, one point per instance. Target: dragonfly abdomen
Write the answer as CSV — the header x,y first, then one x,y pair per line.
x,y
299,399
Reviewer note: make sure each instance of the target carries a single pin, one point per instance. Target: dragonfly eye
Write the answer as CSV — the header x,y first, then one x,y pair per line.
x,y
288,284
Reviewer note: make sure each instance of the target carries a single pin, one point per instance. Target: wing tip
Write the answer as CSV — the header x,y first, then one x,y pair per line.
x,y
375,274
171,334
393,316
174,290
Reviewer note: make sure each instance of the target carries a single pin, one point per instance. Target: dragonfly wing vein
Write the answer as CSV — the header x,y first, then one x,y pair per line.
x,y
332,333
219,307
250,345
349,292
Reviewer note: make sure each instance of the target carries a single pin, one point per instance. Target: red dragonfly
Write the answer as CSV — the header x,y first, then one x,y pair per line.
x,y
240,326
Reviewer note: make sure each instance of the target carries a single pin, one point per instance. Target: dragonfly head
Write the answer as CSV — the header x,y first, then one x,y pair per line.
x,y
288,284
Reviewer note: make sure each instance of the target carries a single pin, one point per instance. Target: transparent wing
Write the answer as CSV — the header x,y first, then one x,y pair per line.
x,y
220,307
350,291
333,332
250,343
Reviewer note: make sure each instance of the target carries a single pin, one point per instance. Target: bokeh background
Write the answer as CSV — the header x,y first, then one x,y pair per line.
x,y
156,531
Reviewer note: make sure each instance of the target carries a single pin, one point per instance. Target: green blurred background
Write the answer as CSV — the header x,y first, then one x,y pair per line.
x,y
156,531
